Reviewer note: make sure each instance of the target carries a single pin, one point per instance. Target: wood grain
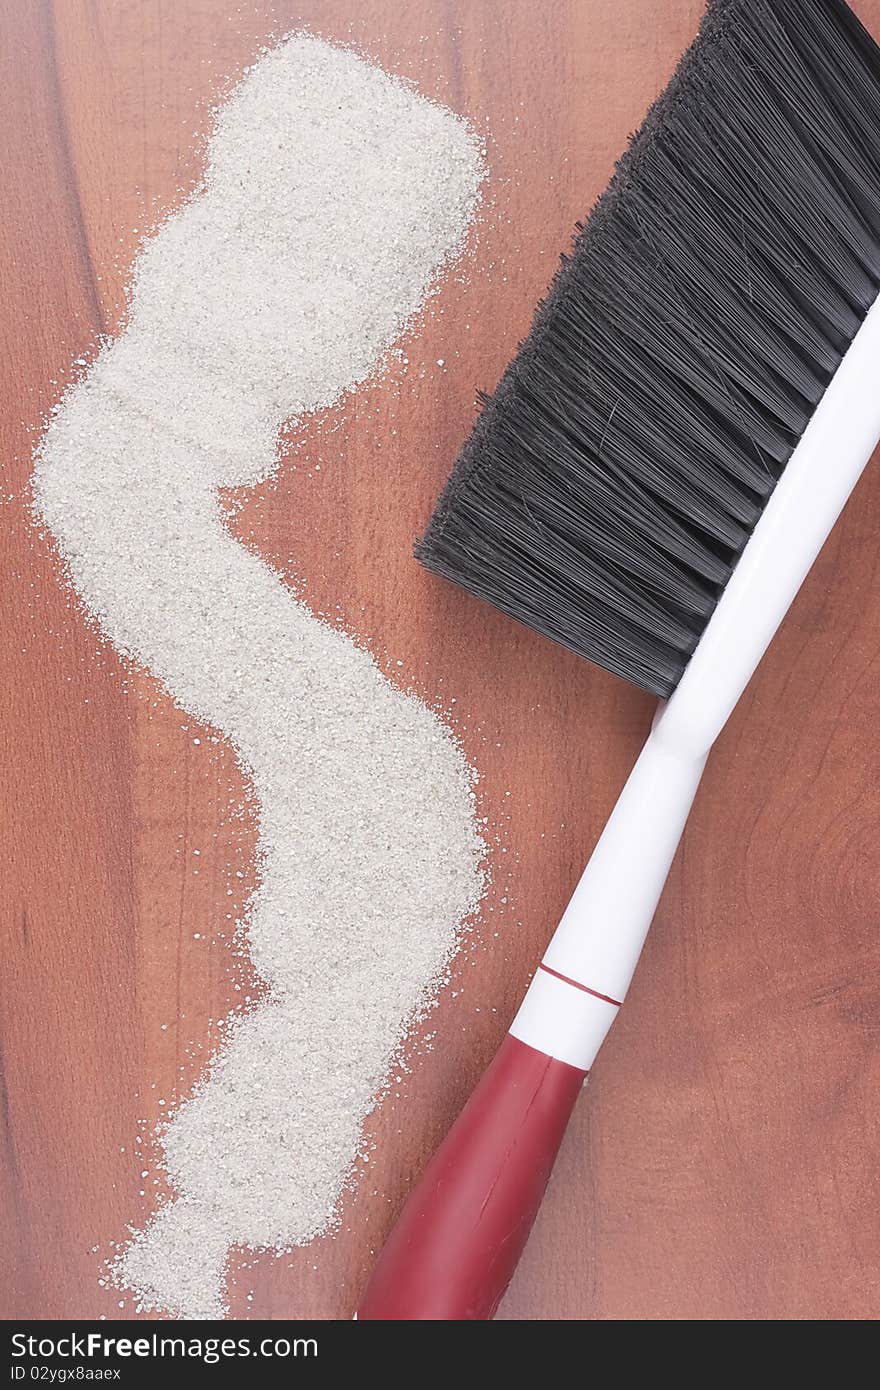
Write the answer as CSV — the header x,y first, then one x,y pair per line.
x,y
723,1163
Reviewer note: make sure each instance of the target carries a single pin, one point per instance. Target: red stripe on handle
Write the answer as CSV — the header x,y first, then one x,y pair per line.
x,y
455,1246
576,984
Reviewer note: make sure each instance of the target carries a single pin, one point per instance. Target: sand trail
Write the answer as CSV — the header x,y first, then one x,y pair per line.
x,y
333,197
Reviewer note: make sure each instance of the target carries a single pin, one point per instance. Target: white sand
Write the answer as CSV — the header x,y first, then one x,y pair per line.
x,y
333,197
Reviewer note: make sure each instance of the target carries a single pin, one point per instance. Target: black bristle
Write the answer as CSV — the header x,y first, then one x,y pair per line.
x,y
614,477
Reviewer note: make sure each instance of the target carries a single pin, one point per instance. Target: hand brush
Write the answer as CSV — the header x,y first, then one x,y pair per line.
x,y
649,486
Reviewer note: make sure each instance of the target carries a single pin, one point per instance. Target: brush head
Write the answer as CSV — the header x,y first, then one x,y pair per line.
x,y
614,478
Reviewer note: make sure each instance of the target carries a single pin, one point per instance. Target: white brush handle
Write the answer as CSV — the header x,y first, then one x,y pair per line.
x,y
589,963
581,982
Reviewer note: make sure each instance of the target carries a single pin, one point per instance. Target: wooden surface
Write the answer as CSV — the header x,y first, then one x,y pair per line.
x,y
723,1163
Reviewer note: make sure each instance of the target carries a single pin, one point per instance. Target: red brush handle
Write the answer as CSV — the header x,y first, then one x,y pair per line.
x,y
458,1240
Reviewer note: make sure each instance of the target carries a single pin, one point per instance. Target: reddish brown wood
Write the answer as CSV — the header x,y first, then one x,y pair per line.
x,y
722,1164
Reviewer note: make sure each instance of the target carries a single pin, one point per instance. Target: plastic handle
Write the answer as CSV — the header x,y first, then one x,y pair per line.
x,y
459,1238
594,950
